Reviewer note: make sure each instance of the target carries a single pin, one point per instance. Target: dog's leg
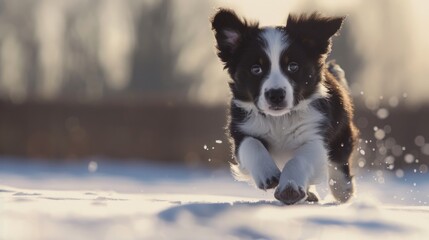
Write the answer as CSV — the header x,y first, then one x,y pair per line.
x,y
341,182
254,158
309,166
340,178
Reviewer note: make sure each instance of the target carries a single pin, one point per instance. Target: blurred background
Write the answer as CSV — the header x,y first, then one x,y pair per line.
x,y
82,81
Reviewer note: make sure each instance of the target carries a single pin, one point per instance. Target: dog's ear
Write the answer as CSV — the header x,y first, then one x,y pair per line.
x,y
229,31
314,31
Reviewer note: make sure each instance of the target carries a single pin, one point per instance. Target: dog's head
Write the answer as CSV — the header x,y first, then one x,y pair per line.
x,y
274,68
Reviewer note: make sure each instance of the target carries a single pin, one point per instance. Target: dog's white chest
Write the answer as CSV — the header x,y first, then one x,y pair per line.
x,y
286,133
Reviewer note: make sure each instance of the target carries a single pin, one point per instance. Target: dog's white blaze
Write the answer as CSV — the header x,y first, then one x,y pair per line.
x,y
276,42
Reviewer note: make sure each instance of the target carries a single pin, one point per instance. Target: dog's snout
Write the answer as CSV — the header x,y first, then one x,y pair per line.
x,y
275,96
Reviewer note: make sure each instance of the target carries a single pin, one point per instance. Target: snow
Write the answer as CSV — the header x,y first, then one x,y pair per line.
x,y
141,201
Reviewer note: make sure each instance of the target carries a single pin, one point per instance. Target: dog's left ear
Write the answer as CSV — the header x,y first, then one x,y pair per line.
x,y
314,31
230,32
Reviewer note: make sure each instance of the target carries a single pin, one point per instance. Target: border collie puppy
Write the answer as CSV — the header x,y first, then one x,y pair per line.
x,y
291,113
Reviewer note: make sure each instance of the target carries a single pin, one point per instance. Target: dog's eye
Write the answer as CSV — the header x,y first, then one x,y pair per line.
x,y
292,67
256,70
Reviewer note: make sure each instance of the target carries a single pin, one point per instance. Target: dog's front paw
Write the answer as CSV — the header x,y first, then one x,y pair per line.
x,y
290,194
267,178
312,197
268,183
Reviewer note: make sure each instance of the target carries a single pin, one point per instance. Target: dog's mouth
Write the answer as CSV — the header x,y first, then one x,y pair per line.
x,y
278,106
273,109
277,110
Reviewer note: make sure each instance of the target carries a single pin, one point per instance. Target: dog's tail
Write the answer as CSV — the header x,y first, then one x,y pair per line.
x,y
338,73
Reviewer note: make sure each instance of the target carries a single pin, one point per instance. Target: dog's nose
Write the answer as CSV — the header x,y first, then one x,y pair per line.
x,y
275,96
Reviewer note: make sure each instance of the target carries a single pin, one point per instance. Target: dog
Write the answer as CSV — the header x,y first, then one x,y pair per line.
x,y
291,115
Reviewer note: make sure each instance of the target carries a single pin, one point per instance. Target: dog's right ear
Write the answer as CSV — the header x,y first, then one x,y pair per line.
x,y
229,32
314,31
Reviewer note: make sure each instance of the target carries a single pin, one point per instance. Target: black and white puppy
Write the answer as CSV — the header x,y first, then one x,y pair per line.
x,y
290,109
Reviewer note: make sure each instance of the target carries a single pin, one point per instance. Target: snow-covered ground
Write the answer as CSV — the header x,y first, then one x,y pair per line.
x,y
132,201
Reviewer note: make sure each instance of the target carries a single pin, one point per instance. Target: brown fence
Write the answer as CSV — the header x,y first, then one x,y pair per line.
x,y
155,131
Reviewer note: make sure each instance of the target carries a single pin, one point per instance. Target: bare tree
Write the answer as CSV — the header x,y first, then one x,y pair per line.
x,y
154,60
